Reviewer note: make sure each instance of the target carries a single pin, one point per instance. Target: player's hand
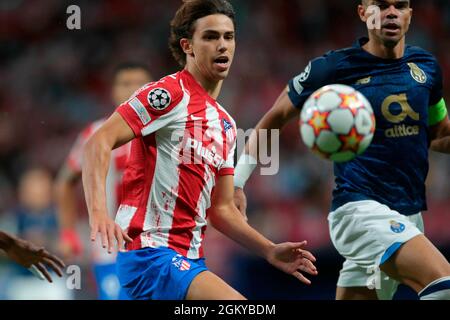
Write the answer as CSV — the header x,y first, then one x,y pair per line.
x,y
27,254
240,200
109,231
292,259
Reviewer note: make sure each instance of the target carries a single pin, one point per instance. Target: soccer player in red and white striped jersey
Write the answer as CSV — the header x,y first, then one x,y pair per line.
x,y
127,78
180,171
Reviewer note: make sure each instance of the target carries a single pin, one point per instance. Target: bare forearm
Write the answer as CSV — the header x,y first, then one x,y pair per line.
x,y
276,118
255,149
269,122
97,155
230,222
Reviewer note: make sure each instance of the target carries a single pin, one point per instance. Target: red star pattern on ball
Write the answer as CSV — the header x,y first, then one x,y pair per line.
x,y
351,102
351,141
319,122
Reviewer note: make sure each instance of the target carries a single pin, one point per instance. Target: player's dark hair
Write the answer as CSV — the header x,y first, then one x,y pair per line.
x,y
131,65
183,24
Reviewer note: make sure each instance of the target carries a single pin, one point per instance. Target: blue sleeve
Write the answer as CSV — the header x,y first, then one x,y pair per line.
x,y
318,73
436,91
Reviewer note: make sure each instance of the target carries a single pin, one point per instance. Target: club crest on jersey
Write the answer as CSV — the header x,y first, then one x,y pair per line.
x,y
159,98
228,128
180,263
418,74
397,227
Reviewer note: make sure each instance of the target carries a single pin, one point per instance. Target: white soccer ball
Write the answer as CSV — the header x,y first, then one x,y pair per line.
x,y
337,123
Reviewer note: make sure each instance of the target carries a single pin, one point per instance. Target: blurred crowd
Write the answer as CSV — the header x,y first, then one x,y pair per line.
x,y
53,81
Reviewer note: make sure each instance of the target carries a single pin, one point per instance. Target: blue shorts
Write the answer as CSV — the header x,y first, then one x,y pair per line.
x,y
157,274
108,287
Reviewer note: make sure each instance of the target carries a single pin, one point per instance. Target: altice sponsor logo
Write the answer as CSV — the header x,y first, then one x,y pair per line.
x,y
402,131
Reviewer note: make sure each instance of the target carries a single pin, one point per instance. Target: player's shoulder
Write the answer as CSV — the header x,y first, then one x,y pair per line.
x,y
334,57
342,52
418,53
170,82
162,93
330,60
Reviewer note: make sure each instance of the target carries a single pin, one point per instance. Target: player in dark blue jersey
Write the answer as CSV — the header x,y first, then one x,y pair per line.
x,y
375,219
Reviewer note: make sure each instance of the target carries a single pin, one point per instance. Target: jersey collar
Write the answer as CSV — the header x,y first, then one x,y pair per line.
x,y
194,84
359,43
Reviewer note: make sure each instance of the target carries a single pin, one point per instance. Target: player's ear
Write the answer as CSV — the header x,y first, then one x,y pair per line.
x,y
362,13
410,15
186,45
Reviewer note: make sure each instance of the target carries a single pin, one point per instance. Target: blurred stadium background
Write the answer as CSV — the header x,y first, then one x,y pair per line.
x,y
53,81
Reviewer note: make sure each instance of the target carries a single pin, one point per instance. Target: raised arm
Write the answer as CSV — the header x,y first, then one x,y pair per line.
x,y
225,217
318,72
276,118
97,152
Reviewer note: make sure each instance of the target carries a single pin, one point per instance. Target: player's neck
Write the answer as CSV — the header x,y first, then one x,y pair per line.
x,y
378,49
211,87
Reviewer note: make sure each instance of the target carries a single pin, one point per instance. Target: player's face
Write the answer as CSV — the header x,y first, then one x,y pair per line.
x,y
213,46
395,20
127,82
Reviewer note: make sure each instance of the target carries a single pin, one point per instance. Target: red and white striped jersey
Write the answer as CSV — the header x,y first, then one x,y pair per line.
x,y
185,140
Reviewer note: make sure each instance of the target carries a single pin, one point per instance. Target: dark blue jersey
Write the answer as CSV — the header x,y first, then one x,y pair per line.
x,y
394,168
